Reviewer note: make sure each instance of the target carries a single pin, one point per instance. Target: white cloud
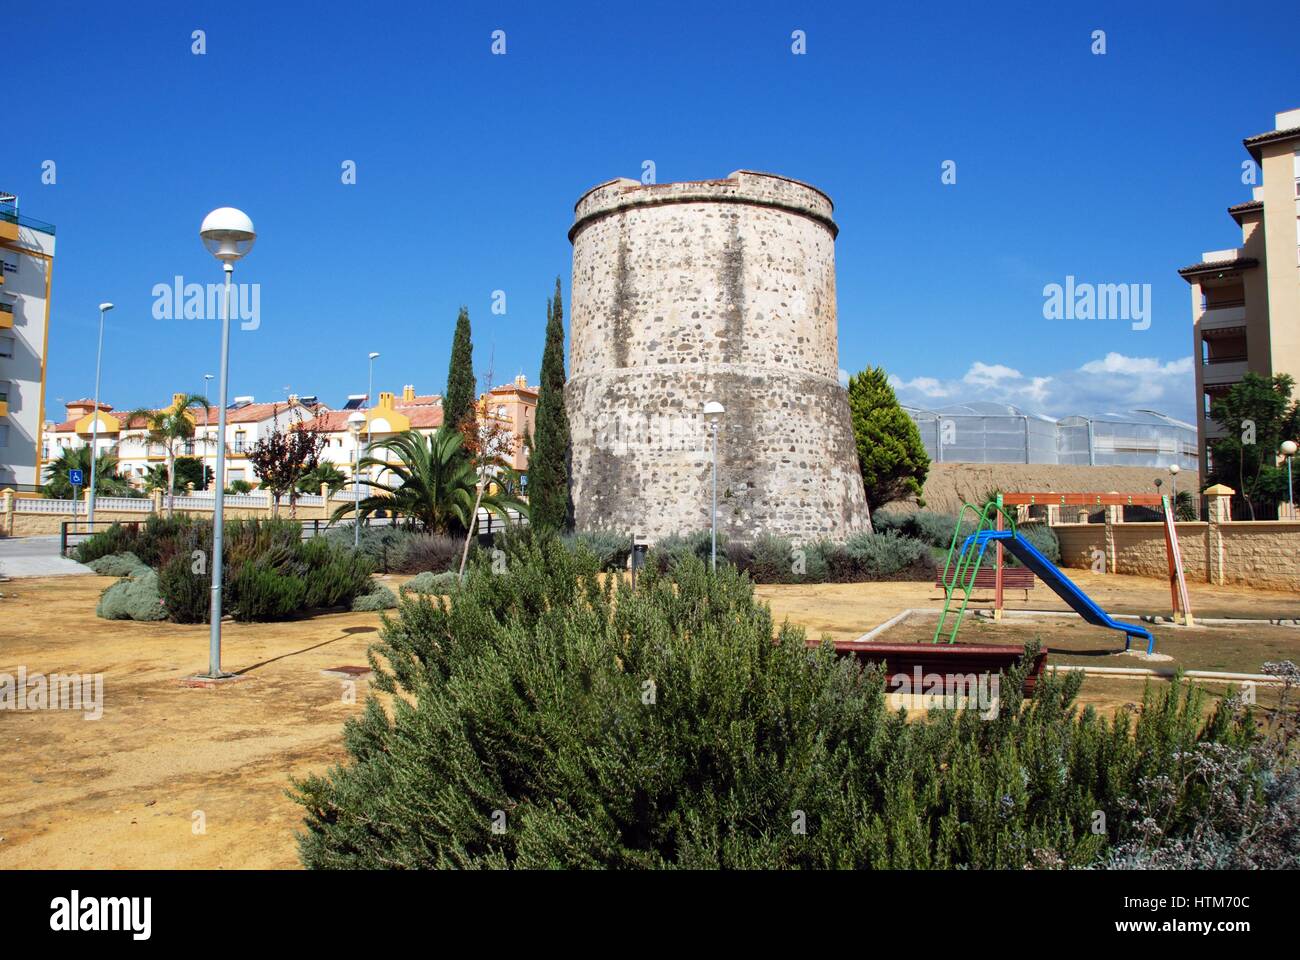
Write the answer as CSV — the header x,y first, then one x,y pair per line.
x,y
989,375
1113,383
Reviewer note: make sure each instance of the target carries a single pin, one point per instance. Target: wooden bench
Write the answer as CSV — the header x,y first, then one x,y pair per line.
x,y
1013,578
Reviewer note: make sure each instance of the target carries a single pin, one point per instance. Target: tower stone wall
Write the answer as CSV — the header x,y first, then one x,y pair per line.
x,y
715,290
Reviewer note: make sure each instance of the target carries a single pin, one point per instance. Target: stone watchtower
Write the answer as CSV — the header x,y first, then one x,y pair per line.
x,y
714,290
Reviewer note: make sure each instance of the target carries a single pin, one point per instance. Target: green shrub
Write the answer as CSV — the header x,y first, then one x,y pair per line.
x,y
527,694
881,555
429,582
378,598
132,598
419,552
611,549
107,542
771,560
673,549
186,594
1042,537
259,593
334,575
892,520
384,544
118,565
936,529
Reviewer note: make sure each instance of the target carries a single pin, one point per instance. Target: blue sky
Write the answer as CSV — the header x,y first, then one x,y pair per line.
x,y
1113,169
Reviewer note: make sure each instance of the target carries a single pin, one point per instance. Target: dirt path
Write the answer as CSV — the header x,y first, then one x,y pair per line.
x,y
134,788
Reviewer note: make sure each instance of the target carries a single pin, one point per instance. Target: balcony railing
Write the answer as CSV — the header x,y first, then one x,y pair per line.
x,y
8,215
1209,361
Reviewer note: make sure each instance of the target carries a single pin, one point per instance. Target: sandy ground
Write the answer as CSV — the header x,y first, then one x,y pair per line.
x,y
170,776
133,788
847,610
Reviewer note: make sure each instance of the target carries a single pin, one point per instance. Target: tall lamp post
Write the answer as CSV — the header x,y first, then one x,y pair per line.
x,y
228,234
1173,487
355,422
1289,447
94,430
207,429
370,393
713,412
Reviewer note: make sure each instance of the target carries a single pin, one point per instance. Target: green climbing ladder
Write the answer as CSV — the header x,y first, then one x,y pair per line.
x,y
961,574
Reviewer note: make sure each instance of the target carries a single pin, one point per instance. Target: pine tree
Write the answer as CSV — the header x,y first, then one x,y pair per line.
x,y
891,456
550,506
458,401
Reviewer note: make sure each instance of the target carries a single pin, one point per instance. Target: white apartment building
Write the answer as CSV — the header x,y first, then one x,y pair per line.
x,y
26,268
246,422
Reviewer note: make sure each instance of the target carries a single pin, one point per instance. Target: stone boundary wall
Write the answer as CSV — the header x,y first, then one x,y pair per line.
x,y
1257,553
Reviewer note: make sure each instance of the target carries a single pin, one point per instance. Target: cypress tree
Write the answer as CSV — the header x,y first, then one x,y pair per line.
x,y
891,456
458,401
550,506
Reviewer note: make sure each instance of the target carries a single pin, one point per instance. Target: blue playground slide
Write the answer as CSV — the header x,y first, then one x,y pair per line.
x,y
1060,584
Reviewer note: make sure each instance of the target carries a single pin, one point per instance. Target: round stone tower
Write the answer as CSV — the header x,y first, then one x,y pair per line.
x,y
713,290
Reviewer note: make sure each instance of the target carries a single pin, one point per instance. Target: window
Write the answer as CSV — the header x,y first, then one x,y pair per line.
x,y
7,347
4,391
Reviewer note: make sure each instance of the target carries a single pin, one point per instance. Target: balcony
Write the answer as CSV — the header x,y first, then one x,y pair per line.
x,y
1230,313
10,221
1212,429
6,316
4,408
1222,371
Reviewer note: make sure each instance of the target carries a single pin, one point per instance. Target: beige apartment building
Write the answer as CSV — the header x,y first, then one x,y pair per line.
x,y
1246,300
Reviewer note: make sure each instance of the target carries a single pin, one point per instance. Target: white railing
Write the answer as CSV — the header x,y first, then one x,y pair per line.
x,y
254,500
25,505
304,500
134,504
189,502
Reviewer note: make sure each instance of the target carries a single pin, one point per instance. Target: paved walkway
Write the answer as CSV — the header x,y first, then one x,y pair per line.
x,y
36,557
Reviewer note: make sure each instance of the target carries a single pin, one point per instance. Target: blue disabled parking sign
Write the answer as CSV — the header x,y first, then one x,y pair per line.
x,y
75,478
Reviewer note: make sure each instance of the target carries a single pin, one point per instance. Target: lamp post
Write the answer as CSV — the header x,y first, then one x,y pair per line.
x,y
94,430
207,425
355,422
1289,447
713,412
228,234
1173,487
370,392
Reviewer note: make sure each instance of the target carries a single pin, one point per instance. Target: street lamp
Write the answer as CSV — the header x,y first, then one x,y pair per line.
x,y
94,430
370,392
713,412
228,234
207,429
1173,485
1289,448
355,422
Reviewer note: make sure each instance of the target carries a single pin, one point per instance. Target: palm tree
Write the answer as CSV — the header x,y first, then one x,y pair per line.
x,y
325,474
107,481
431,483
171,427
